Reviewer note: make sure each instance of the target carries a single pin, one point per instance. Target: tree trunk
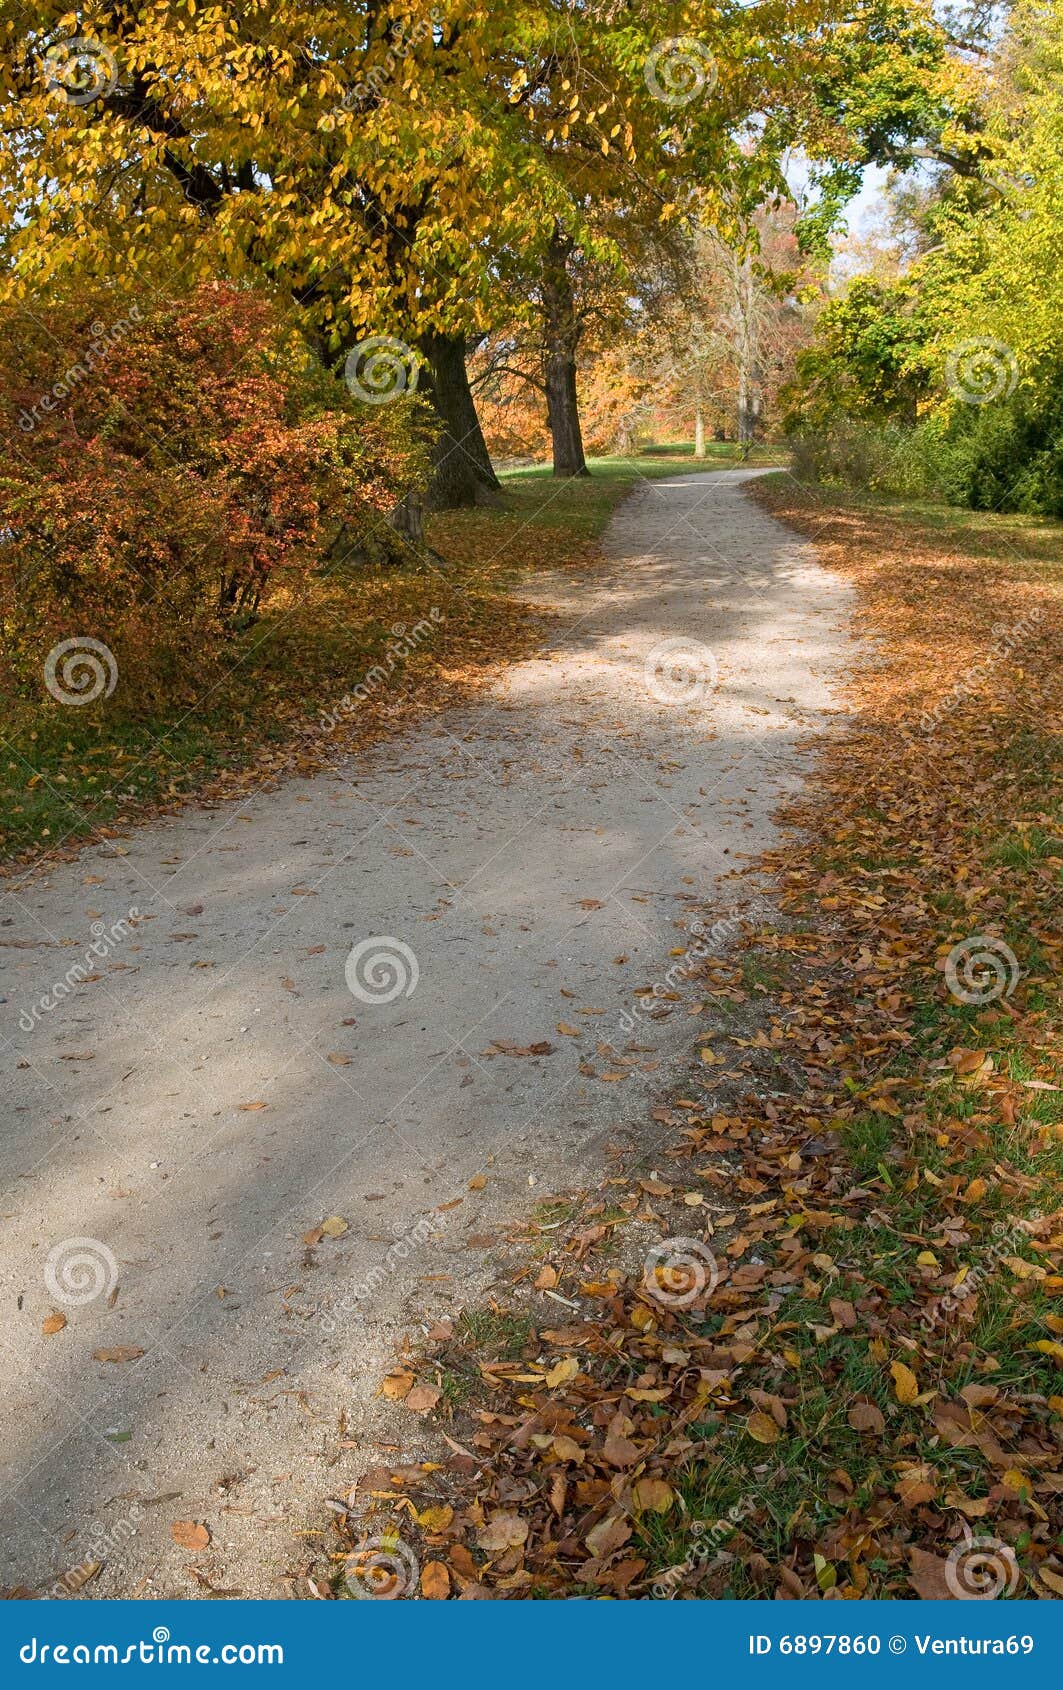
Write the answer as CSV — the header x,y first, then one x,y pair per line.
x,y
699,435
562,333
748,404
462,473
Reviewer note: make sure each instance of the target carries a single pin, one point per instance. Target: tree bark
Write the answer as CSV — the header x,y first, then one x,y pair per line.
x,y
745,343
462,473
699,435
562,334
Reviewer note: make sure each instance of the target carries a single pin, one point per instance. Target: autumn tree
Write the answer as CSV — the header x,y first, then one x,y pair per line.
x,y
358,159
649,130
372,161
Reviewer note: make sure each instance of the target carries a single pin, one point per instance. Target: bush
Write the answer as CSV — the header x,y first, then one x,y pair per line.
x,y
179,463
867,458
1008,455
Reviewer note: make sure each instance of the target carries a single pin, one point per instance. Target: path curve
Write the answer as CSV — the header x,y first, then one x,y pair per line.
x,y
535,859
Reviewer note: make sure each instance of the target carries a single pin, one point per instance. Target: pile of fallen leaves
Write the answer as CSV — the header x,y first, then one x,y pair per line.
x,y
814,1349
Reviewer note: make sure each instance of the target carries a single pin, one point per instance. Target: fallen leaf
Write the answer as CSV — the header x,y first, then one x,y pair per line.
x,y
762,1427
905,1383
435,1581
562,1372
502,1532
423,1398
865,1417
653,1496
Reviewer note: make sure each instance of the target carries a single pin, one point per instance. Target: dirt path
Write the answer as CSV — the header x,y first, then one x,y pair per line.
x,y
179,1120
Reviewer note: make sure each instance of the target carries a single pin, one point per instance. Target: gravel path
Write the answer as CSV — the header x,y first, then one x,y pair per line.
x,y
178,1123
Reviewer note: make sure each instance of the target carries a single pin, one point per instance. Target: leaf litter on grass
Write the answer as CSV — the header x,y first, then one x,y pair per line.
x,y
835,1370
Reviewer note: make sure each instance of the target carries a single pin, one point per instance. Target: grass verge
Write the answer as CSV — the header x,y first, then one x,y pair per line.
x,y
281,701
820,1354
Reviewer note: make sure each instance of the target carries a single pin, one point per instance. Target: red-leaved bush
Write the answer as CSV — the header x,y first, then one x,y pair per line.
x,y
175,464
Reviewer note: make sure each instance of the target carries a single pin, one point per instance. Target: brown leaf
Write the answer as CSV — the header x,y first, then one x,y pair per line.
x,y
423,1398
653,1496
865,1417
189,1534
927,1577
121,1352
502,1532
608,1535
53,1323
435,1581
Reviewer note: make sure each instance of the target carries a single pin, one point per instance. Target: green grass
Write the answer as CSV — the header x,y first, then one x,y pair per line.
x,y
499,1331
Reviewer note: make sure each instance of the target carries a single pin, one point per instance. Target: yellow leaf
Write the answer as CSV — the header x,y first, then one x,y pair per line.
x,y
437,1518
905,1383
653,1496
566,1369
762,1427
